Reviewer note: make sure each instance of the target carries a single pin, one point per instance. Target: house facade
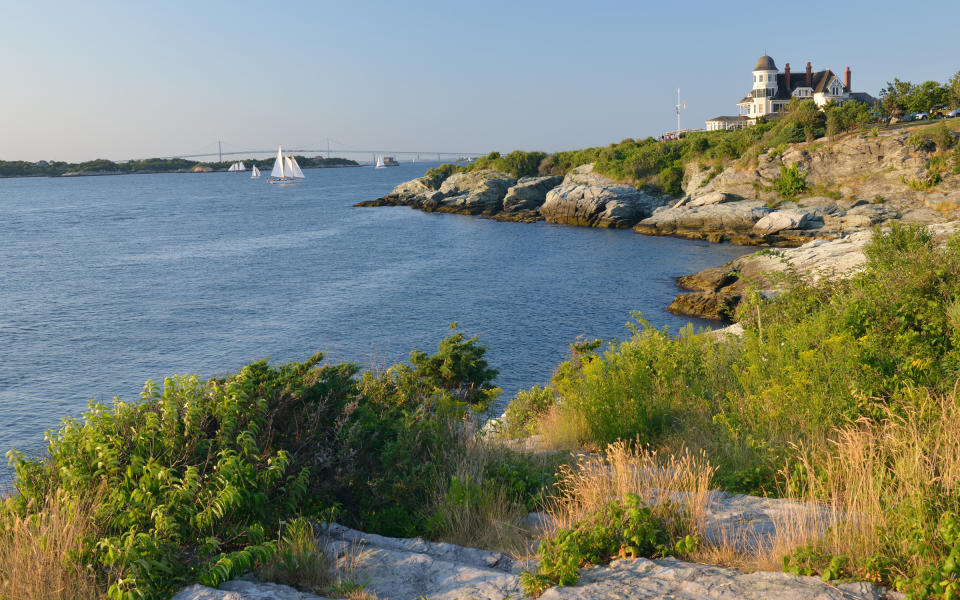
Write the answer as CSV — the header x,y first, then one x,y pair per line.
x,y
772,92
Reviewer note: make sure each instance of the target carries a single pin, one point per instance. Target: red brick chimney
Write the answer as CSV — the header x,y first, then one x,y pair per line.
x,y
809,75
786,76
846,79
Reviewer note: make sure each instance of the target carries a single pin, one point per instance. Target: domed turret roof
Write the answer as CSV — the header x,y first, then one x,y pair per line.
x,y
765,63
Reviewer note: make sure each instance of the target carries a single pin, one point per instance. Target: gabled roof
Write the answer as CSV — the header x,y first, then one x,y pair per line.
x,y
819,80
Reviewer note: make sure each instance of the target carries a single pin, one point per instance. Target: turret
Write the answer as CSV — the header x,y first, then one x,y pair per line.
x,y
765,76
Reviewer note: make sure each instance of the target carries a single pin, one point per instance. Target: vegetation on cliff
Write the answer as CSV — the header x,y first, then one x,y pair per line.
x,y
660,165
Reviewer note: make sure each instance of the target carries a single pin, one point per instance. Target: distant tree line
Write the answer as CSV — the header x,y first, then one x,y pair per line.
x,y
902,97
20,168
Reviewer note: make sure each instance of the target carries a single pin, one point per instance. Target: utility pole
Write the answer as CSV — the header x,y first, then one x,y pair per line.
x,y
681,106
219,151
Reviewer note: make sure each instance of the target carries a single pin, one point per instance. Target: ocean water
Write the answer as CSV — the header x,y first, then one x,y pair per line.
x,y
109,281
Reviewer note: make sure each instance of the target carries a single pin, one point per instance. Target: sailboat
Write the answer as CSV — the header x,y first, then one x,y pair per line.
x,y
285,169
380,163
237,166
256,173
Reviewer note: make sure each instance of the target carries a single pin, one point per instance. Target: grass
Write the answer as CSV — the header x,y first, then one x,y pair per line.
x,y
43,556
662,481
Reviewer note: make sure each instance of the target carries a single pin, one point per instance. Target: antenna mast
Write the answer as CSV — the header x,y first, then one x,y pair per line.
x,y
681,106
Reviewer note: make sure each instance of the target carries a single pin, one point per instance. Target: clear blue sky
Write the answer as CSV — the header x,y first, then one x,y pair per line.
x,y
123,80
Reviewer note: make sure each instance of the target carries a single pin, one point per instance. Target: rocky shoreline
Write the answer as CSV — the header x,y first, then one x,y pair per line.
x,y
854,183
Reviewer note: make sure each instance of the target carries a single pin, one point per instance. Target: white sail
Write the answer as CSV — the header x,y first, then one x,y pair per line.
x,y
295,171
241,166
233,167
380,164
255,173
278,164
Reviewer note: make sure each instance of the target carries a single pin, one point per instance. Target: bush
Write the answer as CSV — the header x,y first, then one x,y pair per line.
x,y
524,411
671,180
197,476
620,529
790,183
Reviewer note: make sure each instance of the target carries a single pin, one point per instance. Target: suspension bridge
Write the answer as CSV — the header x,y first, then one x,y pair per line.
x,y
221,151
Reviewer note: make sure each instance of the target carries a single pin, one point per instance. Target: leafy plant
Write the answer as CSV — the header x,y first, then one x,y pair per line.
x,y
624,529
790,183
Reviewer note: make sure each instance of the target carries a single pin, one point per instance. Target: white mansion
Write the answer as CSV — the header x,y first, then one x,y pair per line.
x,y
773,90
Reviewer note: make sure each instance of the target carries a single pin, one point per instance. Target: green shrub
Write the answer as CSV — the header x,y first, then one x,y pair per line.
x,y
625,529
671,180
198,475
524,411
790,183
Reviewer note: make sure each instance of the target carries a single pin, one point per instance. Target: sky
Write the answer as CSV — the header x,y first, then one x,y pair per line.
x,y
122,80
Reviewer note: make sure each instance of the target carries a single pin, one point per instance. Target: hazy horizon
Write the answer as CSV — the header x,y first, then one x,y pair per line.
x,y
121,80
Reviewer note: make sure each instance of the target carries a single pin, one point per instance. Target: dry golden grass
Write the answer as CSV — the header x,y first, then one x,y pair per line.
x,y
879,472
661,480
561,429
39,554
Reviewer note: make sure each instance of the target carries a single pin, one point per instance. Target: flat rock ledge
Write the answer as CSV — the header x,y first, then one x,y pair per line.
x,y
408,569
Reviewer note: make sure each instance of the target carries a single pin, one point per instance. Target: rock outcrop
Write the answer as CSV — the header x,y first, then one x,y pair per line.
x,y
860,181
591,200
528,195
716,221
404,569
474,193
718,290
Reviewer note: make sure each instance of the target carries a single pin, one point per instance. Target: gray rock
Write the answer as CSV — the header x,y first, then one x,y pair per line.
x,y
780,220
712,198
414,187
477,192
923,216
711,221
643,579
592,200
584,175
244,589
529,193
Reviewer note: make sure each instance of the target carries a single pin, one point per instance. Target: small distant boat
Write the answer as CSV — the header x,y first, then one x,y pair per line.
x,y
237,166
256,173
386,161
285,169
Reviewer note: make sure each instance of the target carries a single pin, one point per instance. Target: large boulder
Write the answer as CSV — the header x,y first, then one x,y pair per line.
x,y
414,187
592,200
529,193
714,222
782,219
475,193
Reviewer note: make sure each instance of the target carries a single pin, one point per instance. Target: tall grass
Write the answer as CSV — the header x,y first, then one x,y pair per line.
x,y
887,483
43,555
675,486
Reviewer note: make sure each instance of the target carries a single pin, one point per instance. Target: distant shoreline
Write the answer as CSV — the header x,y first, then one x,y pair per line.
x,y
150,166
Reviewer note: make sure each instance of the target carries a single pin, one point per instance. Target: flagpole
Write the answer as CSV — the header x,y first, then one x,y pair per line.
x,y
678,113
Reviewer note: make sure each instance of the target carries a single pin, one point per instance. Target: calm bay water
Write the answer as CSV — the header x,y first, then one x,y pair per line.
x,y
110,281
